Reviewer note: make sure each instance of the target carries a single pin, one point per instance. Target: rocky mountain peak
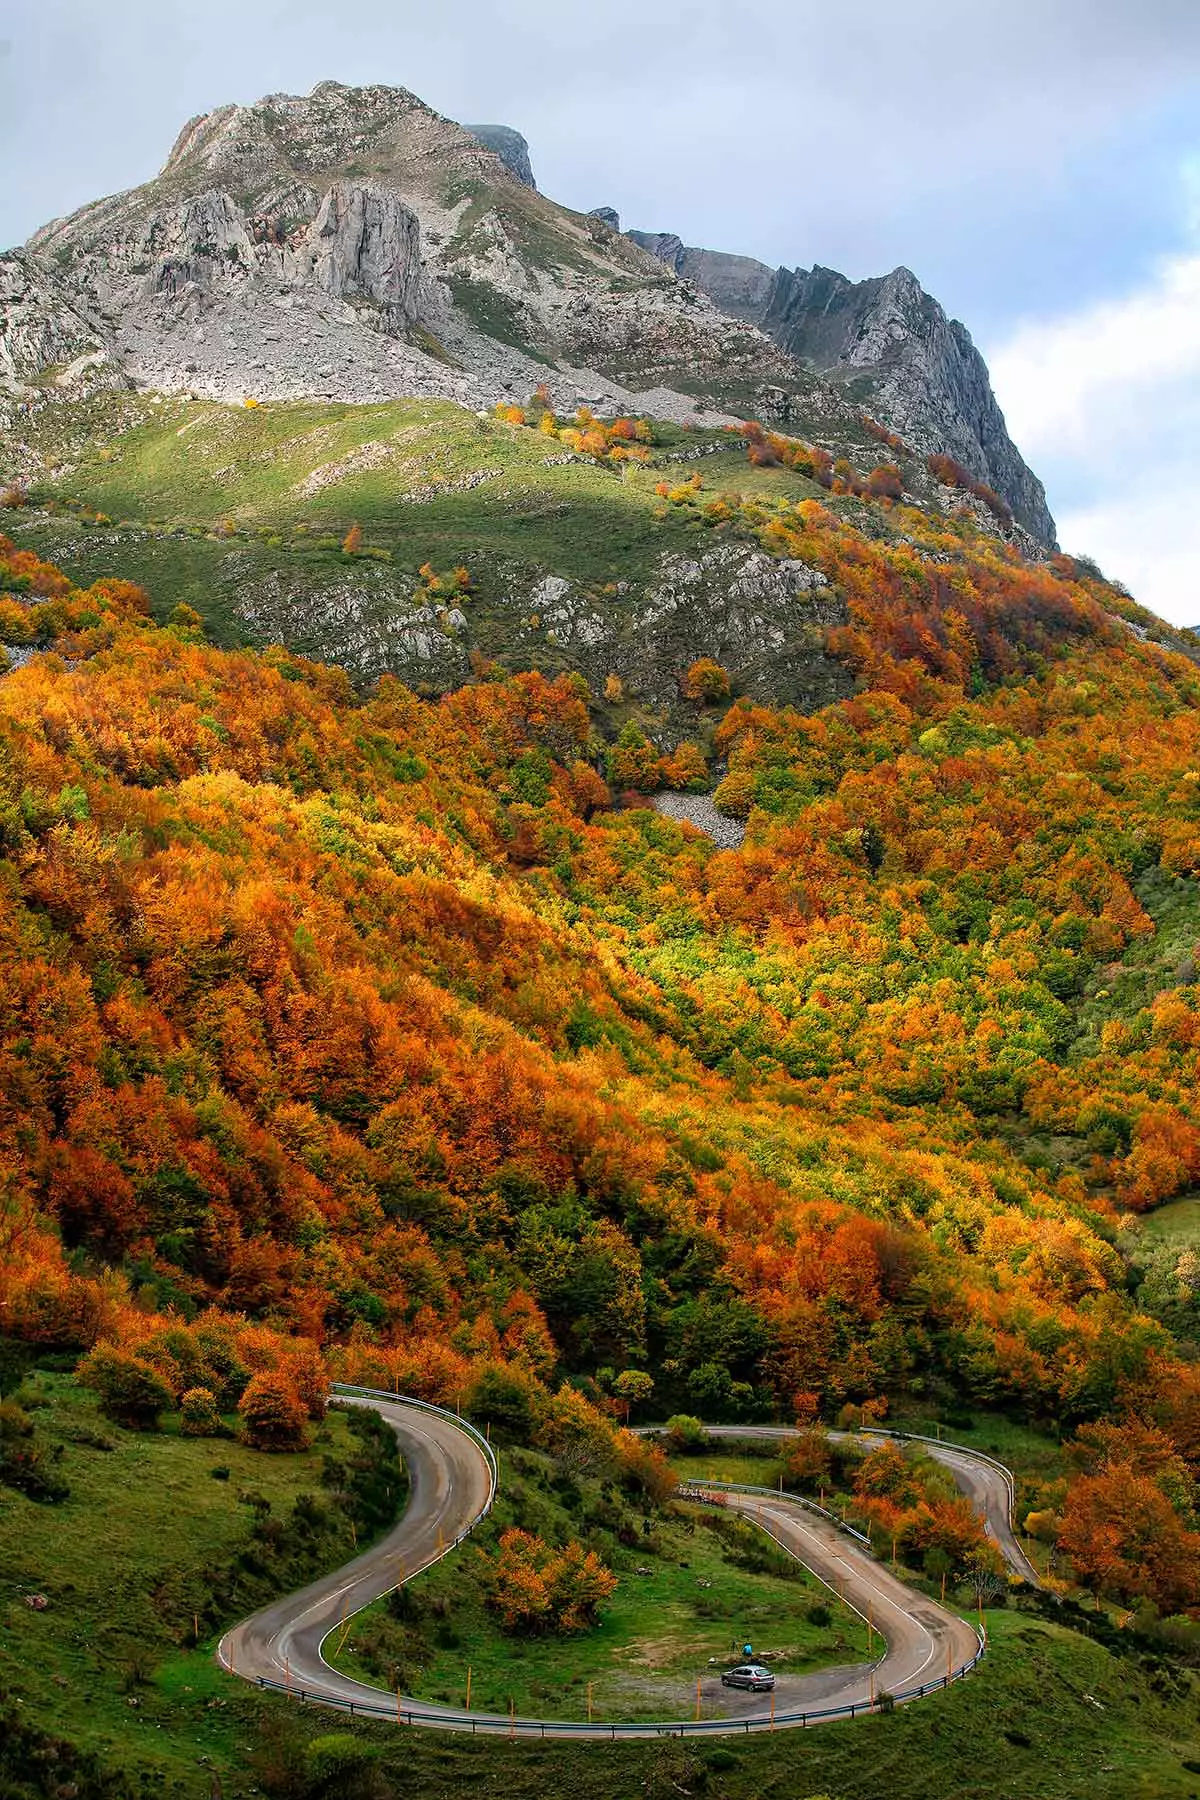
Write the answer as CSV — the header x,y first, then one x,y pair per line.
x,y
353,244
510,147
888,345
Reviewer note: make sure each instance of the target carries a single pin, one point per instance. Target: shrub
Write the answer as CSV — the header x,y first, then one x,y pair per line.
x,y
198,1415
273,1416
885,482
339,1764
24,1463
535,1588
685,1433
706,681
131,1391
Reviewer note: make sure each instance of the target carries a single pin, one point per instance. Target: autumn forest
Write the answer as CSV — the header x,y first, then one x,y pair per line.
x,y
397,1039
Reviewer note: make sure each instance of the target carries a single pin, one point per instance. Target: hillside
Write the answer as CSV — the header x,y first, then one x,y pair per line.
x,y
354,244
337,1017
886,1028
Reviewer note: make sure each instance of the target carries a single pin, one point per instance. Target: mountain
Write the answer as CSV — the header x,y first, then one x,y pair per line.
x,y
355,245
888,345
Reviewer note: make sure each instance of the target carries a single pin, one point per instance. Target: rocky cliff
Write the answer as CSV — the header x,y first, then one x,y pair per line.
x,y
888,345
510,147
354,245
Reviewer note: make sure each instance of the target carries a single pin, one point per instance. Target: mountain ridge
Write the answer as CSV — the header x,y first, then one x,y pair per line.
x,y
889,344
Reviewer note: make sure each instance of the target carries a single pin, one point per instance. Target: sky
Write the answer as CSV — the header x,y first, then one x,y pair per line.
x,y
1035,162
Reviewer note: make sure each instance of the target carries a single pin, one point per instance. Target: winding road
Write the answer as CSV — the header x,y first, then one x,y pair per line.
x,y
453,1476
986,1483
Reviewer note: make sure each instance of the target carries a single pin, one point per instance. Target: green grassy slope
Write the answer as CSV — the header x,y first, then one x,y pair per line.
x,y
150,1555
690,1590
240,514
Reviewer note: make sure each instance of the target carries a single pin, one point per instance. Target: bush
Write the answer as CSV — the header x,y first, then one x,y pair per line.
x,y
131,1391
535,1588
685,1433
24,1463
340,1764
706,681
198,1415
273,1415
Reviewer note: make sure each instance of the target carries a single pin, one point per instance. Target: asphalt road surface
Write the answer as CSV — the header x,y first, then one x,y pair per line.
x,y
923,1644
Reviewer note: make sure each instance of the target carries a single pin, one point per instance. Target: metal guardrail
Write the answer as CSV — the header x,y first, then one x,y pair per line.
x,y
1002,1469
442,1412
745,1487
495,1725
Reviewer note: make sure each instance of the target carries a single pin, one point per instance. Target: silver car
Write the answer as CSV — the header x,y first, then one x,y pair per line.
x,y
750,1675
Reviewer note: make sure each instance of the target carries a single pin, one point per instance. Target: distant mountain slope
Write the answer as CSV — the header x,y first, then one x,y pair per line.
x,y
510,147
891,348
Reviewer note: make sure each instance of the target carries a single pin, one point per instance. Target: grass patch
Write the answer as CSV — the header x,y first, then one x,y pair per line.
x,y
1177,1223
152,1554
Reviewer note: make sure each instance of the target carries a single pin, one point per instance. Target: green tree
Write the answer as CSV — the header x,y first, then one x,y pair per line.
x,y
198,1415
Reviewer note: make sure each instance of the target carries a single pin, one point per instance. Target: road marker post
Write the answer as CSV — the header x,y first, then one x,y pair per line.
x,y
287,1673
512,1717
697,1699
589,1702
399,1720
468,1705
870,1629
772,1709
943,1587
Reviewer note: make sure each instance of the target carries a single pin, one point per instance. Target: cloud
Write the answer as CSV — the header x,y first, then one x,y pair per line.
x,y
1149,538
1104,400
1078,384
1003,148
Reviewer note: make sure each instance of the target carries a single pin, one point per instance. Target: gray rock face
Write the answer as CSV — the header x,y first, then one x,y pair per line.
x,y
368,245
39,329
510,147
406,259
607,215
895,349
888,345
740,286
